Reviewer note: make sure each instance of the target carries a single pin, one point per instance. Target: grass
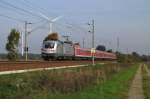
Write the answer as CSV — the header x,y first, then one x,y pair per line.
x,y
148,65
146,84
115,88
93,82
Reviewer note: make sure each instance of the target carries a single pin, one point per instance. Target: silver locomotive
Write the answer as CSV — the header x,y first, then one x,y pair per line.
x,y
57,49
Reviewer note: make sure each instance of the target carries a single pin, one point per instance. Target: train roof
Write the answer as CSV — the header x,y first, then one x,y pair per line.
x,y
68,42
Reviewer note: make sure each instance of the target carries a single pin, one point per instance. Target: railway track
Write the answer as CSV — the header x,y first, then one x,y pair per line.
x,y
22,65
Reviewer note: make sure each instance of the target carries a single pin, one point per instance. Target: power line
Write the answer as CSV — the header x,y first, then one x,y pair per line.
x,y
38,27
18,8
12,18
28,3
18,12
29,12
77,27
37,6
31,5
10,9
71,27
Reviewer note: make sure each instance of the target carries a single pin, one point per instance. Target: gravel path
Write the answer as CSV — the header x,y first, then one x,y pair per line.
x,y
136,89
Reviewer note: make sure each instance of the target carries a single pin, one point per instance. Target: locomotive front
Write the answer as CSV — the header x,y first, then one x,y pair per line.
x,y
49,49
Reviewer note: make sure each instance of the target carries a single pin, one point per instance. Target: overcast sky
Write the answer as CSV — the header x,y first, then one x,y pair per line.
x,y
128,20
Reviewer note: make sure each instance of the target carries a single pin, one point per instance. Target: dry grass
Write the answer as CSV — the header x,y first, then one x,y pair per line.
x,y
57,81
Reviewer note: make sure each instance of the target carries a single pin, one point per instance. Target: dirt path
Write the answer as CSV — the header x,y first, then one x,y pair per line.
x,y
136,89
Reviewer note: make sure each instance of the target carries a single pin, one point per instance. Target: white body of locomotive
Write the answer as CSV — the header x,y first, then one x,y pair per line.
x,y
57,50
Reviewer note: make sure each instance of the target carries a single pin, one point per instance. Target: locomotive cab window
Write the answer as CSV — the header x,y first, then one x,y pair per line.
x,y
49,45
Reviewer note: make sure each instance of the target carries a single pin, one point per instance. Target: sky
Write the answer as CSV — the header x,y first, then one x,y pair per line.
x,y
127,20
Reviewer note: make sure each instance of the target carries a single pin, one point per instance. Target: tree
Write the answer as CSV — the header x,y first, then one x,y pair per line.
x,y
12,44
136,56
101,48
110,50
121,57
144,58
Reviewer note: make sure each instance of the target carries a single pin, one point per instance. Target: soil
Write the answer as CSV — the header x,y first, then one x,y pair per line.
x,y
9,66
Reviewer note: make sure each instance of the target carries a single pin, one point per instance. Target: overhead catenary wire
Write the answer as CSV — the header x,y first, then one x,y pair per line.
x,y
29,12
12,18
36,28
18,12
68,25
21,9
77,27
6,7
29,3
71,29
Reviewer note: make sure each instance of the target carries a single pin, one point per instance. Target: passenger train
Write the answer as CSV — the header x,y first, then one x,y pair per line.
x,y
56,49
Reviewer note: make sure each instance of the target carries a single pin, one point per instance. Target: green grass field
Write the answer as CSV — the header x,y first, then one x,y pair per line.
x,y
146,83
115,88
93,82
148,64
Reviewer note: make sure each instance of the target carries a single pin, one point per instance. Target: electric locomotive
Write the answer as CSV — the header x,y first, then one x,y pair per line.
x,y
56,49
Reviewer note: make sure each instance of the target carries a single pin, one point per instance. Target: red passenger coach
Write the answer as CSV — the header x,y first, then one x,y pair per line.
x,y
83,52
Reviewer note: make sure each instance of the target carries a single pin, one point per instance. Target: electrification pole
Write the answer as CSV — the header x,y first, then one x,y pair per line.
x,y
83,43
26,41
93,40
93,30
117,44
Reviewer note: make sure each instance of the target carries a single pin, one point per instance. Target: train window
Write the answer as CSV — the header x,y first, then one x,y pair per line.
x,y
49,45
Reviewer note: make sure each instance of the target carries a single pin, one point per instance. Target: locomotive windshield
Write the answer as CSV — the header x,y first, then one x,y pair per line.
x,y
49,45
